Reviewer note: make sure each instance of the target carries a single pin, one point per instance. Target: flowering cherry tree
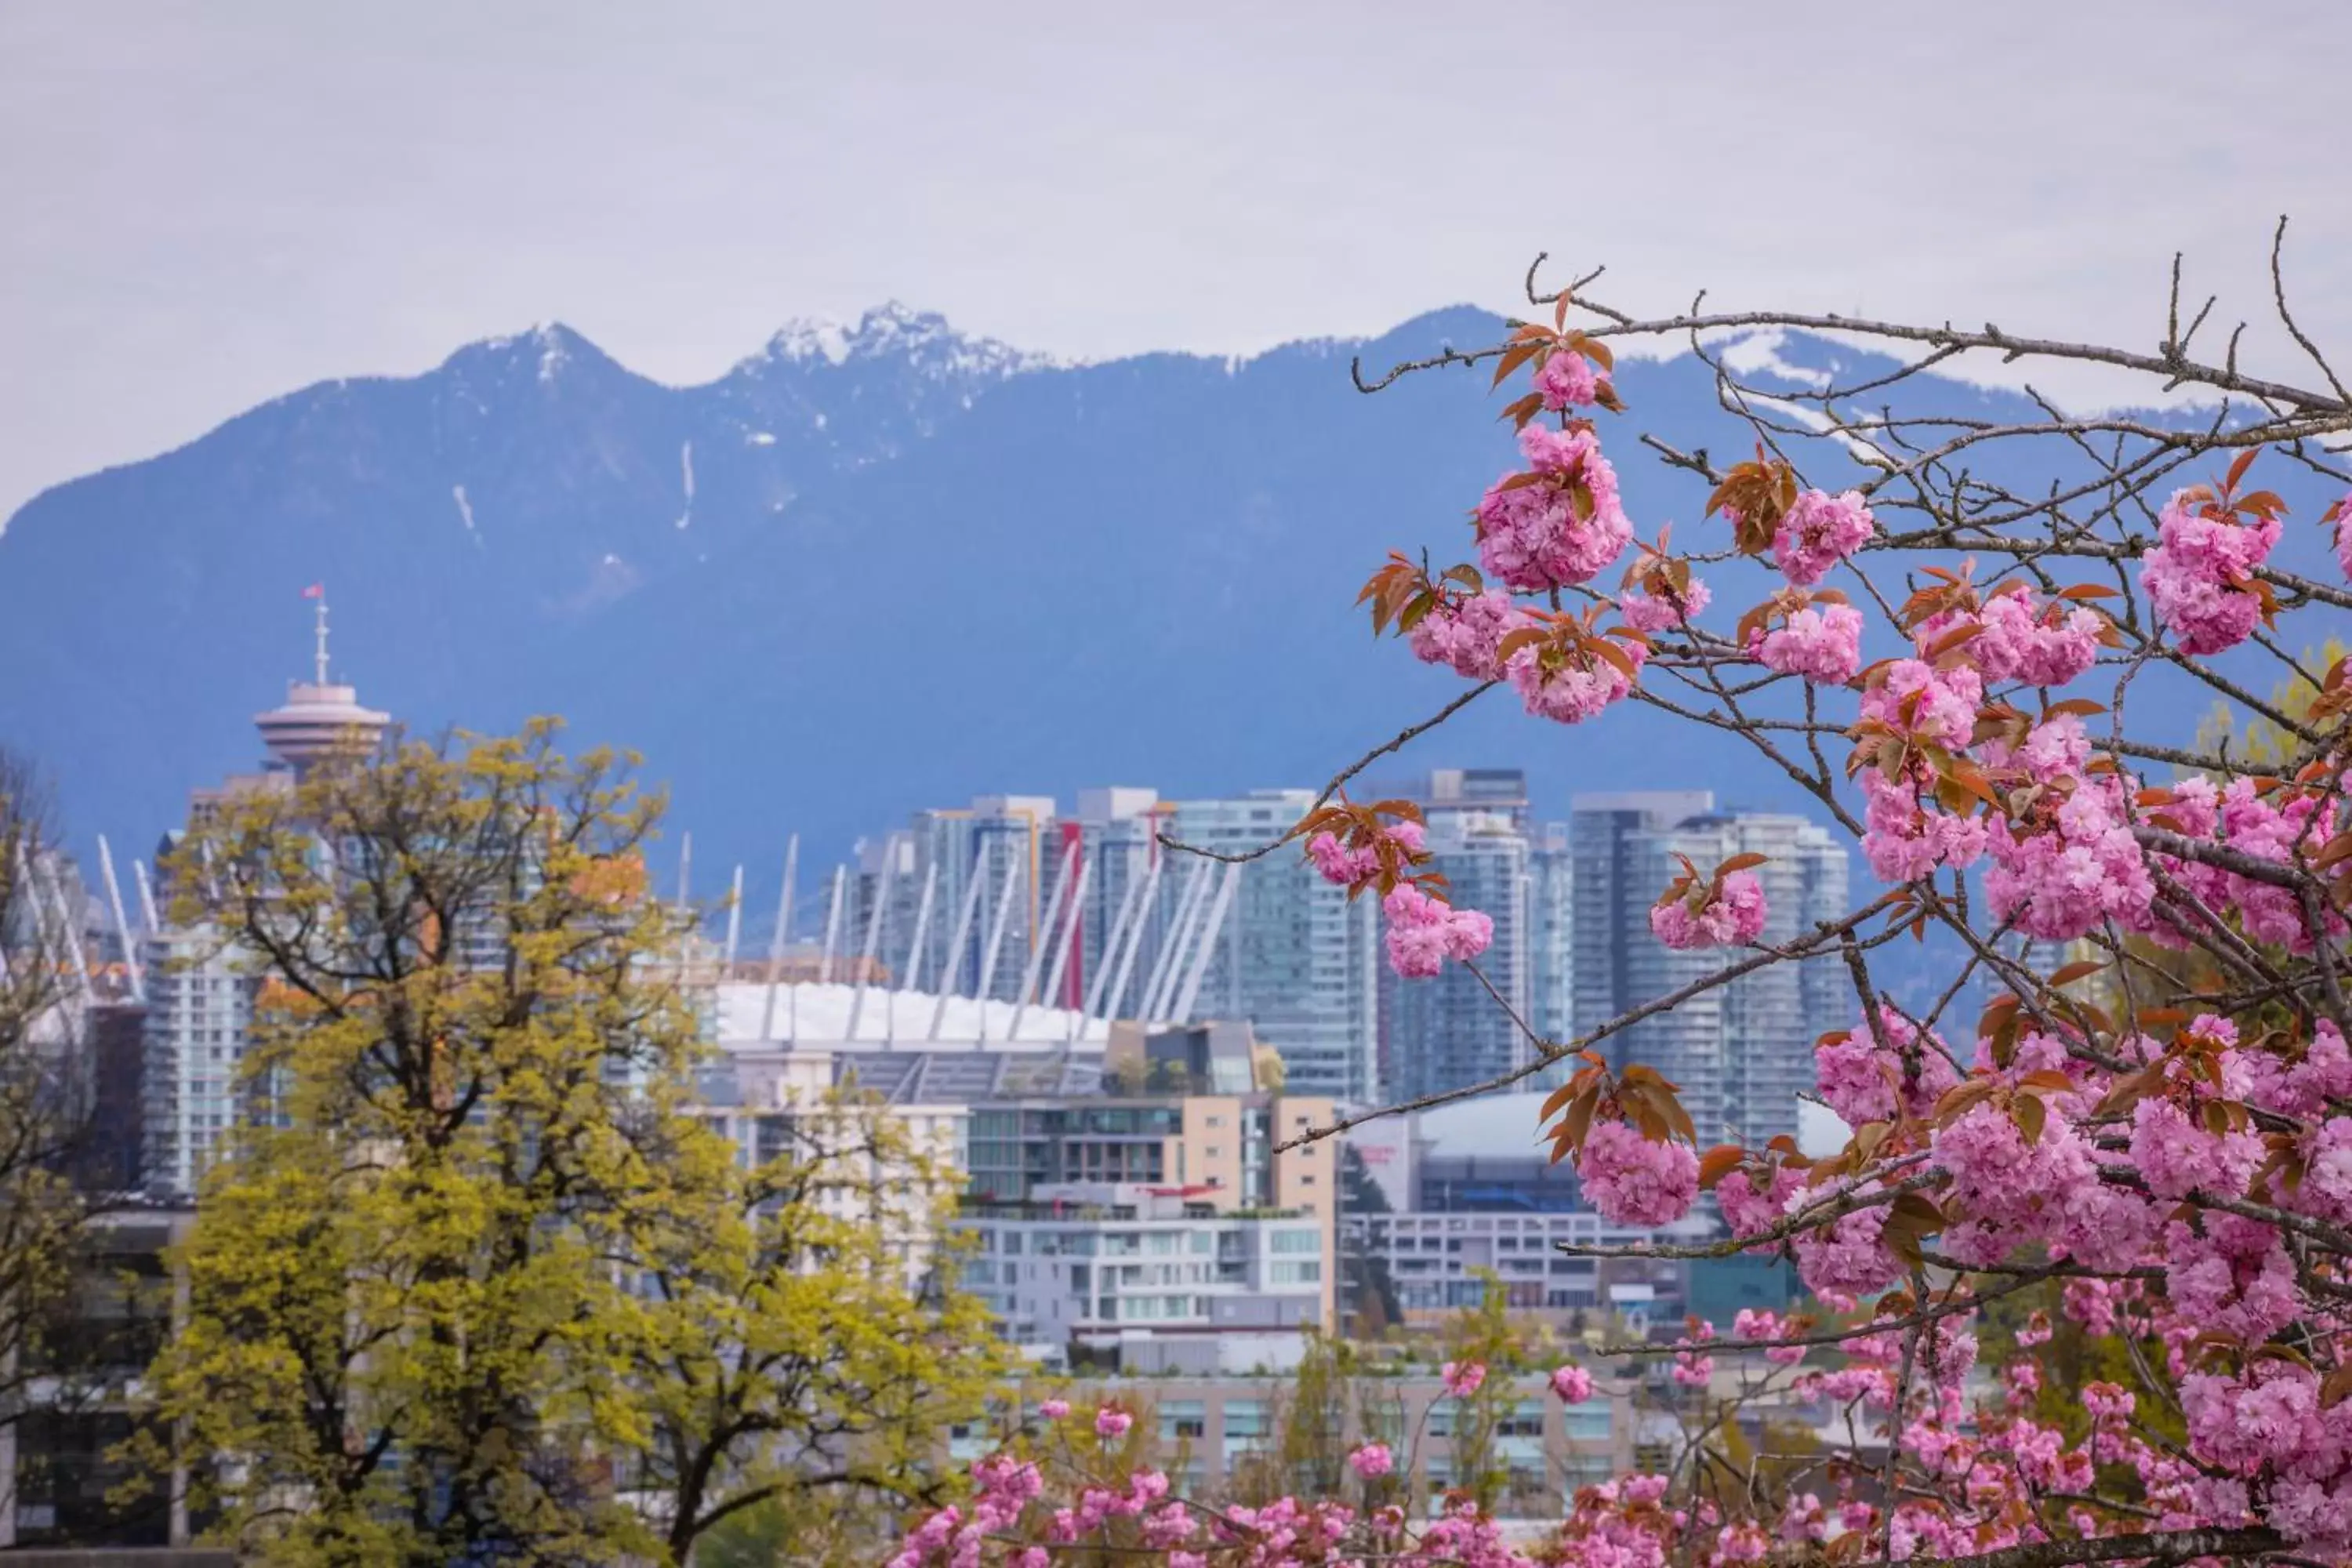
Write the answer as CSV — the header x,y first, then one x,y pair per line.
x,y
2149,1127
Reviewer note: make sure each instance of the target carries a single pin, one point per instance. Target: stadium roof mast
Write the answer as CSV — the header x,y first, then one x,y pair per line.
x,y
1136,927
1169,962
1182,1010
869,951
995,948
911,972
1077,911
973,887
1042,938
147,919
776,941
734,922
832,927
121,922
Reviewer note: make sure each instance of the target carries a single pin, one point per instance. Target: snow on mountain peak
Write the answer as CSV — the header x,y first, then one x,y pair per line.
x,y
893,330
546,348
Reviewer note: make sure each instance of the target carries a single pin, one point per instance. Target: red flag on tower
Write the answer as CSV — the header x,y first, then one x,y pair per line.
x,y
315,591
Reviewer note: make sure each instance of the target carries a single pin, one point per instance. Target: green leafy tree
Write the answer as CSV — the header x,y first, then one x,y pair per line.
x,y
476,1283
43,1102
797,1349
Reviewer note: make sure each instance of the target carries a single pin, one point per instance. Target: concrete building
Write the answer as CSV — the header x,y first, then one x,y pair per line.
x,y
795,1104
1072,919
61,1475
1742,1053
1448,1031
198,1025
1480,1198
1211,1429
1149,1279
200,988
1288,951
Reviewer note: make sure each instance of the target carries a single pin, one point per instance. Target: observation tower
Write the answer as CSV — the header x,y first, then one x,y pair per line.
x,y
318,718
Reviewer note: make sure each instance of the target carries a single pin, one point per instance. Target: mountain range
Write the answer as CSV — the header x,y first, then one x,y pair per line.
x,y
870,569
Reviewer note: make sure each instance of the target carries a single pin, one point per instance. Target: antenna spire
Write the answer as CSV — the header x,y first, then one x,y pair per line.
x,y
322,638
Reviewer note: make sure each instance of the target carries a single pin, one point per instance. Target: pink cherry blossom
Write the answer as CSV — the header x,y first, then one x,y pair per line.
x,y
1353,867
1906,840
1567,380
2015,642
1936,707
1371,1461
1631,1180
1463,634
1565,527
1753,1324
1847,1258
1820,642
1576,693
1462,1378
1751,1212
1572,1384
1658,611
1861,1072
1736,916
2196,577
1424,933
1819,531
1112,1422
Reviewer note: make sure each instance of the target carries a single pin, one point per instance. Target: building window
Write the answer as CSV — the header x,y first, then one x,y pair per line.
x,y
1587,1423
1524,1419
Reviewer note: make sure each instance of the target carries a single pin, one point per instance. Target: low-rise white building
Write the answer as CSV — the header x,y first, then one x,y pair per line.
x,y
1154,1278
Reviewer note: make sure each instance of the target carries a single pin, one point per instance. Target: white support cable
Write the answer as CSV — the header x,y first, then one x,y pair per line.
x,y
1128,904
734,924
1170,961
122,921
1041,939
832,927
1075,912
870,952
776,942
1136,927
1206,947
987,976
973,887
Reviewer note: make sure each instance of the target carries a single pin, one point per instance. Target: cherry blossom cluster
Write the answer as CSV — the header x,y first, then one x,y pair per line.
x,y
1727,911
1819,641
2153,1110
2200,577
1424,933
1818,532
1557,522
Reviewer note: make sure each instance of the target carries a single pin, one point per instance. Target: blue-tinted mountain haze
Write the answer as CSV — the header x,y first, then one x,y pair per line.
x,y
869,570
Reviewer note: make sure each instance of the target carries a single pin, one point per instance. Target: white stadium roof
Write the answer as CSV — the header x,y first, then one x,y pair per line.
x,y
812,1015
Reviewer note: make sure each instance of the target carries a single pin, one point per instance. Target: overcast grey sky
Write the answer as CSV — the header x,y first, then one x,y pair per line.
x,y
203,204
